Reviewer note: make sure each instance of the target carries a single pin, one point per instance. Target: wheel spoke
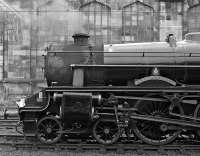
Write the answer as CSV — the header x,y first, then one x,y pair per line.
x,y
55,130
42,125
150,132
47,130
99,127
153,106
146,110
106,132
146,127
42,131
103,136
110,136
54,125
100,132
114,129
164,108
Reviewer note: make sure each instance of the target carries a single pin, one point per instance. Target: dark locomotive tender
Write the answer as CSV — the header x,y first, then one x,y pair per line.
x,y
145,90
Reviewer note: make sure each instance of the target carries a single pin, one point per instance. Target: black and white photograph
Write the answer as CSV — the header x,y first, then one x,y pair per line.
x,y
100,77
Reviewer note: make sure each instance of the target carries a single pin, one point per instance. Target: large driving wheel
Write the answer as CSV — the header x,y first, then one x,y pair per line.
x,y
106,131
155,133
197,115
48,130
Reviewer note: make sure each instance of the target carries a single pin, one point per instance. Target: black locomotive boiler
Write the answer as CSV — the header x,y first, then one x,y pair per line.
x,y
149,91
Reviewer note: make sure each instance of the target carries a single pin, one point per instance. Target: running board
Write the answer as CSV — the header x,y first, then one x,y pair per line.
x,y
164,120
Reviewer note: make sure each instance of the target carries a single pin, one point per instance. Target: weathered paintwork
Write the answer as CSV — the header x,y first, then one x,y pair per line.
x,y
154,52
57,64
183,53
78,107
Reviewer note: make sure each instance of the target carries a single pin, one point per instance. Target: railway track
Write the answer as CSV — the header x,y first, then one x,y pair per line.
x,y
19,142
12,140
9,123
116,148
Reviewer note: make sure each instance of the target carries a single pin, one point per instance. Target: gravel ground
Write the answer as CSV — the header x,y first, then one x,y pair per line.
x,y
9,152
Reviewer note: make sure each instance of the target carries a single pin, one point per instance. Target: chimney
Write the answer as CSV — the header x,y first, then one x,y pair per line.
x,y
81,39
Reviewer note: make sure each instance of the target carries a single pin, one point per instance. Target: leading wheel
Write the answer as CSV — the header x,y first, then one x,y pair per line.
x,y
106,131
48,130
155,133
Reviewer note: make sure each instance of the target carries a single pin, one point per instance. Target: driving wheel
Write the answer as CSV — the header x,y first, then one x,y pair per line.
x,y
197,115
155,133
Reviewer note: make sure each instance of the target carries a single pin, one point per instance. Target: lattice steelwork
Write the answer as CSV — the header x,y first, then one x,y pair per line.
x,y
97,21
137,22
193,18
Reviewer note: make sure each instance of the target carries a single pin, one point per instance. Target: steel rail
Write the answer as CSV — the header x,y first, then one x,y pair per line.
x,y
116,148
20,142
8,122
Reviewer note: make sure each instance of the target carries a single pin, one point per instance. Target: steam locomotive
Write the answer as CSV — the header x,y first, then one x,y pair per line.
x,y
149,91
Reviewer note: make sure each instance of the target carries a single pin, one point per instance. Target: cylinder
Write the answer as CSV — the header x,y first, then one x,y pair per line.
x,y
76,109
11,113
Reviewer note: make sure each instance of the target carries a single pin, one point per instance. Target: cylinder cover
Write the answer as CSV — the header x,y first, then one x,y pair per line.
x,y
76,107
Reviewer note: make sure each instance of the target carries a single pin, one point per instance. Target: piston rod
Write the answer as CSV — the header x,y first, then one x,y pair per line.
x,y
165,120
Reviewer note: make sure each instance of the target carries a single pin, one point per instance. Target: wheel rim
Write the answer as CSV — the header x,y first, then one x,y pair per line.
x,y
106,132
197,115
47,130
153,132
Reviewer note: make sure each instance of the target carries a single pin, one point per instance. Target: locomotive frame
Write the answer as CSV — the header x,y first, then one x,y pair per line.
x,y
110,110
154,108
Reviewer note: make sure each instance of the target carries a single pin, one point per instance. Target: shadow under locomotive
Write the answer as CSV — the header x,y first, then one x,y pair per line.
x,y
147,90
